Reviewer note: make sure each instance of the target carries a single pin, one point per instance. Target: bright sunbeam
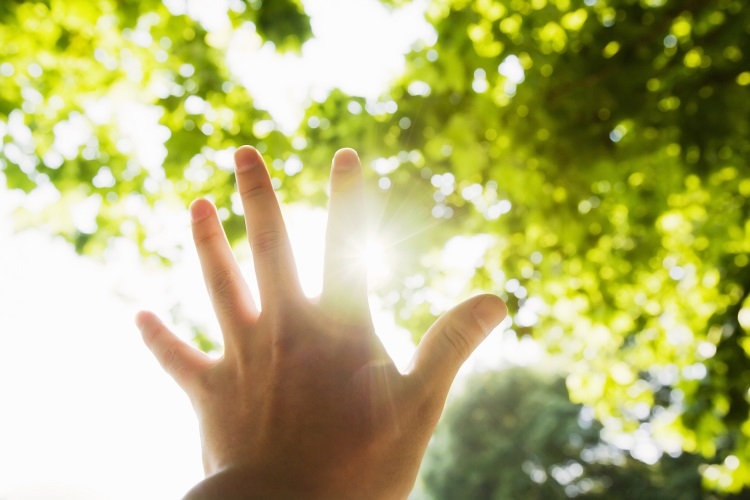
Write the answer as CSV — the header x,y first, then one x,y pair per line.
x,y
375,257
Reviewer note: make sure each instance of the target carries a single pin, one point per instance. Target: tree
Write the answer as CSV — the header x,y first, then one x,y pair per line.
x,y
515,434
79,76
601,146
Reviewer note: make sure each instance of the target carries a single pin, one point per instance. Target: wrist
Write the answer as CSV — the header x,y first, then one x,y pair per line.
x,y
237,483
240,483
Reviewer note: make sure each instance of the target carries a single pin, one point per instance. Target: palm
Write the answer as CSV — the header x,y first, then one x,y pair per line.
x,y
305,388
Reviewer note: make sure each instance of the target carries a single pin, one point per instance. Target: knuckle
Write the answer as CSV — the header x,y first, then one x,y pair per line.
x,y
284,339
172,362
267,240
167,358
459,339
252,191
284,343
223,281
201,239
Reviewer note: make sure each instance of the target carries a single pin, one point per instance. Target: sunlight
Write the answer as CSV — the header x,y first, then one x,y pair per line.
x,y
375,257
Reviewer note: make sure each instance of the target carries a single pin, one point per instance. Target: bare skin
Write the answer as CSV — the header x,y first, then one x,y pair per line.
x,y
305,402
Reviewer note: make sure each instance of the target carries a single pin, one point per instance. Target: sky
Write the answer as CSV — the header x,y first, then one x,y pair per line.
x,y
85,411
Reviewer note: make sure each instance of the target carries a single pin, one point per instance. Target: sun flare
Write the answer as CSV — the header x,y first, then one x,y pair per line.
x,y
375,257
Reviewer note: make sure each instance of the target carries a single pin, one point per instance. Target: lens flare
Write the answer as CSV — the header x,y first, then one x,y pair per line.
x,y
375,257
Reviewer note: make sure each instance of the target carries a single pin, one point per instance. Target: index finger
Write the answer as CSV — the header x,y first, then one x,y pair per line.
x,y
272,252
229,293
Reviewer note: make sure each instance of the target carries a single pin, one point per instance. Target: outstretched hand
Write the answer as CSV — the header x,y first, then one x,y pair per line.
x,y
305,402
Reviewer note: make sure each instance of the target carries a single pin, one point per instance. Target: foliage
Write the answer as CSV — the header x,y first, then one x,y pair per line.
x,y
600,145
80,78
515,434
604,147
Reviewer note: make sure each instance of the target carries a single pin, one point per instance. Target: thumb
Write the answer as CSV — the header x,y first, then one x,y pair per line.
x,y
180,360
453,337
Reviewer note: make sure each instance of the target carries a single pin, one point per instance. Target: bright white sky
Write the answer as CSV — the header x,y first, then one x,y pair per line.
x,y
85,412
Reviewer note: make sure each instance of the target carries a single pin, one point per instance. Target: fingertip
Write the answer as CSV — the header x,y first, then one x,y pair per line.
x,y
200,209
149,324
143,318
246,157
489,311
346,171
346,152
176,357
345,159
454,336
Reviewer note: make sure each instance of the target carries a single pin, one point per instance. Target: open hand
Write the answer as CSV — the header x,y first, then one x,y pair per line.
x,y
305,402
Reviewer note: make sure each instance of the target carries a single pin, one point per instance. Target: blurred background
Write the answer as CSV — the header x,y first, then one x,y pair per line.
x,y
587,160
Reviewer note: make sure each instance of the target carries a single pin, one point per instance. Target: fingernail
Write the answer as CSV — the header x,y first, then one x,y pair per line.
x,y
489,312
345,159
199,210
245,158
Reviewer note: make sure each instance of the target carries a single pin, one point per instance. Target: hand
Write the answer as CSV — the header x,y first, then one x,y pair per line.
x,y
305,402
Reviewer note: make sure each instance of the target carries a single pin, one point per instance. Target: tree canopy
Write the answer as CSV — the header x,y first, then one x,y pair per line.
x,y
600,146
515,434
79,79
